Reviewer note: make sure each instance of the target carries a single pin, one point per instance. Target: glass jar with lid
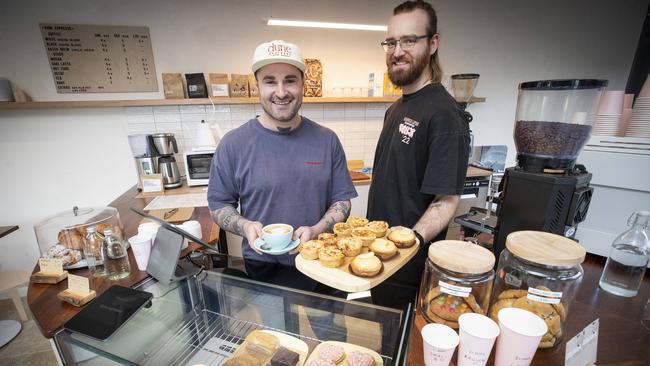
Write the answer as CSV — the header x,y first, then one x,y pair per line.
x,y
457,279
62,235
539,272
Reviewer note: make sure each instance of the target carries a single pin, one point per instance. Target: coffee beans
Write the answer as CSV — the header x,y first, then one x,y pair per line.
x,y
550,139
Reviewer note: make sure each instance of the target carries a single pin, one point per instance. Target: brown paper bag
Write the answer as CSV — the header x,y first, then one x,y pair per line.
x,y
313,78
173,86
252,86
219,85
238,85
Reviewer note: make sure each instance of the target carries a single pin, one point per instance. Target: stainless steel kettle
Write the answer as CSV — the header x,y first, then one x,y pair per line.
x,y
165,143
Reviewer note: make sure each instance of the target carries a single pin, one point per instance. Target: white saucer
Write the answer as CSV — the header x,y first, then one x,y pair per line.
x,y
259,242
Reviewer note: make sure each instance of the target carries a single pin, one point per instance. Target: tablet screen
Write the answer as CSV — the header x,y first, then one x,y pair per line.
x,y
108,312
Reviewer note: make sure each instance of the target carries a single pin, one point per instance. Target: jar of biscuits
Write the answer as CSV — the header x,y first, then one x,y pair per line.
x,y
457,279
539,272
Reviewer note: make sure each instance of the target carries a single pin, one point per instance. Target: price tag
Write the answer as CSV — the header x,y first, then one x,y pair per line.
x,y
152,183
78,284
51,265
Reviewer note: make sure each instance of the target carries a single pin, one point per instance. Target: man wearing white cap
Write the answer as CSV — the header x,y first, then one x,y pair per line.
x,y
280,167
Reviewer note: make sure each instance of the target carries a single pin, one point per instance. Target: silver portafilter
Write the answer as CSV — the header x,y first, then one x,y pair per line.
x,y
463,86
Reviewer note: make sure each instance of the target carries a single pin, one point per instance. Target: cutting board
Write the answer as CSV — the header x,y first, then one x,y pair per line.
x,y
348,347
183,214
342,279
286,341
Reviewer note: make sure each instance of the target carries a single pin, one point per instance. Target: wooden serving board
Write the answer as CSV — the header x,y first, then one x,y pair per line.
x,y
348,347
182,214
286,341
342,279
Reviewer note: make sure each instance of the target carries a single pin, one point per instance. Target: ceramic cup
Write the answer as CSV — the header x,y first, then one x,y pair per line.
x,y
141,247
521,332
477,335
277,236
439,342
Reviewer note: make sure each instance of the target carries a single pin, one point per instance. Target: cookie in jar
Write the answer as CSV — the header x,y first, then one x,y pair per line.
x,y
457,279
539,272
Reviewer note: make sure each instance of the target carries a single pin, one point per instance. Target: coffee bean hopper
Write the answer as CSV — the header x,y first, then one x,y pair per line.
x,y
547,190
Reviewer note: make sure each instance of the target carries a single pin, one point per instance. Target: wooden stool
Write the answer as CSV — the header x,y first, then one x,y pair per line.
x,y
10,281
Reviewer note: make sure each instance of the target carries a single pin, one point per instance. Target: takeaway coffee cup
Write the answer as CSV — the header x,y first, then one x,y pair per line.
x,y
277,236
141,247
521,332
477,335
439,342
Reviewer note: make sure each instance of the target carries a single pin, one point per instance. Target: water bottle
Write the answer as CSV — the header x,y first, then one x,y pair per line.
x,y
116,261
628,257
93,252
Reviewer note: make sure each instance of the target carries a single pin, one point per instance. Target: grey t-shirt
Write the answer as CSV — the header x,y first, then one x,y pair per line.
x,y
288,178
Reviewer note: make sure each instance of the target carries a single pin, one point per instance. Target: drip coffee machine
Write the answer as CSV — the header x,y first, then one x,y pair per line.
x,y
166,146
145,154
547,191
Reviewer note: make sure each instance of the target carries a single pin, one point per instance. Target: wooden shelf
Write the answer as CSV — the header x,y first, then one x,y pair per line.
x,y
198,101
163,102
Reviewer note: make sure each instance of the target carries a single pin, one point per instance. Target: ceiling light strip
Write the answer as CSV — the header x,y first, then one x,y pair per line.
x,y
308,24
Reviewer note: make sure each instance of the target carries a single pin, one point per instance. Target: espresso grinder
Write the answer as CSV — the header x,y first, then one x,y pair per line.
x,y
166,146
547,190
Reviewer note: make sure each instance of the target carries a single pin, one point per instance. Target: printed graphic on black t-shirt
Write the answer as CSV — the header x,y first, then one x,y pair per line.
x,y
407,129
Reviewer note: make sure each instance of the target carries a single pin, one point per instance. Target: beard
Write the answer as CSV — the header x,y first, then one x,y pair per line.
x,y
286,116
409,75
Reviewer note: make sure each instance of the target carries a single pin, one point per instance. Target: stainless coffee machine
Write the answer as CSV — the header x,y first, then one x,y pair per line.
x,y
166,147
145,155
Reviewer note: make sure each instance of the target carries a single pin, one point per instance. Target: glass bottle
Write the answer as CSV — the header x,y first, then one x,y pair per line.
x,y
116,260
93,252
628,257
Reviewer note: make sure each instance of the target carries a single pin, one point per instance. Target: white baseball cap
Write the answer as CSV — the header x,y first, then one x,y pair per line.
x,y
278,52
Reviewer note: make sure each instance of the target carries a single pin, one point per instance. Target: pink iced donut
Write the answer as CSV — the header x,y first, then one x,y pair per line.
x,y
331,352
357,358
320,362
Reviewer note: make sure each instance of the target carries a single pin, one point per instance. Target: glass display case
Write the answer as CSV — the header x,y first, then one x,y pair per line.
x,y
203,319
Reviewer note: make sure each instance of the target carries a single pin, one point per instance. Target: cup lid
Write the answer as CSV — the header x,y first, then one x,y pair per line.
x,y
461,256
545,248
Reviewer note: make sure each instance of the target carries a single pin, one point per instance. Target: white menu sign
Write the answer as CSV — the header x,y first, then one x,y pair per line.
x,y
100,59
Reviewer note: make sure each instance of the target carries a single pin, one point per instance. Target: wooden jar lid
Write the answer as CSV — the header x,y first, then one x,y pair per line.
x,y
545,248
461,256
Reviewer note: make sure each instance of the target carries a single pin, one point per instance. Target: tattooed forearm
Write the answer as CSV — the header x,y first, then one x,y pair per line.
x,y
229,219
436,218
337,212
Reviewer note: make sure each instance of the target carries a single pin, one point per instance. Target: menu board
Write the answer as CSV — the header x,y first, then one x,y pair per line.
x,y
100,59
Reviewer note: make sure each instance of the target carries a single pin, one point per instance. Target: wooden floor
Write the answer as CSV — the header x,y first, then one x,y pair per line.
x,y
29,347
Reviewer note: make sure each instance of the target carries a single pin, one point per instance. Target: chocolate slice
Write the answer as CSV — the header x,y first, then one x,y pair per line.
x,y
285,357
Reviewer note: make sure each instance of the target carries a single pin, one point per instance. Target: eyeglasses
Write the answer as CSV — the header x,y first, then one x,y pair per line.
x,y
406,42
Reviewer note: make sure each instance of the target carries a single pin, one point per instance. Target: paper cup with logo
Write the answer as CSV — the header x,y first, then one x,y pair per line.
x,y
277,236
141,247
521,332
439,342
477,335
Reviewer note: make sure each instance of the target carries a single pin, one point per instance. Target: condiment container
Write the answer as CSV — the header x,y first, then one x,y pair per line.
x,y
62,235
539,272
457,279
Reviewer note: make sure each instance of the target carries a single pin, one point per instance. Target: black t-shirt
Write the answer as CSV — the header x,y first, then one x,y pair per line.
x,y
422,152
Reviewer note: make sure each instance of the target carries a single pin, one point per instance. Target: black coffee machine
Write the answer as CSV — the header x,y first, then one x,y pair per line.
x,y
547,190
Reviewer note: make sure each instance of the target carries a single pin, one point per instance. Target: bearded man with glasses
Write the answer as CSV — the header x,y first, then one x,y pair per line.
x,y
421,157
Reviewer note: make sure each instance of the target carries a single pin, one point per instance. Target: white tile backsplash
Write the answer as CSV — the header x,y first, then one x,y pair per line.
x,y
357,125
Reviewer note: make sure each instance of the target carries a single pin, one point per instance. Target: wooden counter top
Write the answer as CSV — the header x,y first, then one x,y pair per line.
x,y
622,339
51,313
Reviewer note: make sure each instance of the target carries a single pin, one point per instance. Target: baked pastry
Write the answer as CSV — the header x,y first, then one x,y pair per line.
x,y
378,228
331,256
243,360
309,249
383,248
67,256
327,238
552,314
261,343
357,221
285,357
364,234
331,352
350,247
402,237
365,265
71,238
320,362
446,309
342,229
358,358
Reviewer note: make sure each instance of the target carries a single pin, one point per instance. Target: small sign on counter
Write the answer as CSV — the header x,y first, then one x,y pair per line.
x,y
51,271
78,292
152,183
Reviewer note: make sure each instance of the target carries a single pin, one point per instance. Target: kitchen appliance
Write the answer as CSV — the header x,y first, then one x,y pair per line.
x,y
547,191
166,146
145,155
197,166
463,86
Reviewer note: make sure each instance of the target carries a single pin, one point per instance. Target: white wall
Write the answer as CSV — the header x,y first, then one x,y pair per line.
x,y
52,160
